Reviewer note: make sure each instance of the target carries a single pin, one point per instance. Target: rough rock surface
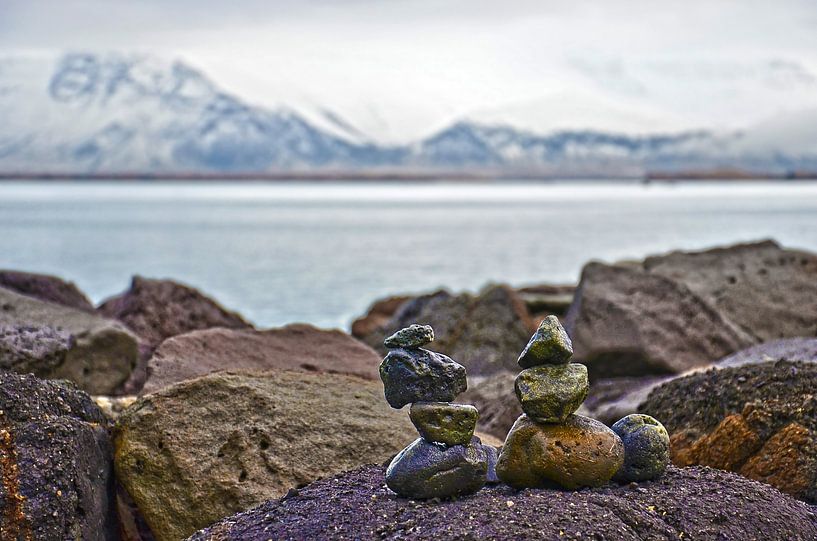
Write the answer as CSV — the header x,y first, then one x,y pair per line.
x,y
203,449
33,350
582,452
295,347
357,505
646,447
550,344
487,331
625,321
46,288
768,291
378,315
413,336
55,463
443,422
420,375
103,354
159,309
610,399
426,470
683,310
551,393
789,349
758,419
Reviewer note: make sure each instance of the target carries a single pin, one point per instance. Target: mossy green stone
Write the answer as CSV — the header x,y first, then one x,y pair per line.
x,y
550,344
646,448
413,336
443,422
582,452
550,393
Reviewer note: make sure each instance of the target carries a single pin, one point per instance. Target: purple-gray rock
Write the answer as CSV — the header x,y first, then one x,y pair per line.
x,y
36,350
420,375
646,448
45,288
427,470
57,467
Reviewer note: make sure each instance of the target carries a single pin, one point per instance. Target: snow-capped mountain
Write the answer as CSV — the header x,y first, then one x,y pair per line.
x,y
85,113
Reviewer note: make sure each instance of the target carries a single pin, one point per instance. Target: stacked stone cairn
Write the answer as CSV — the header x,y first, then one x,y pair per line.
x,y
550,446
447,460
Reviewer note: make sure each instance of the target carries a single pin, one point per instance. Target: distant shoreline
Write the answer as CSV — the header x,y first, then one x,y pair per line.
x,y
395,176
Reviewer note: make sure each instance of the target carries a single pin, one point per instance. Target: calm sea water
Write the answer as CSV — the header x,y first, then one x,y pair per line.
x,y
321,253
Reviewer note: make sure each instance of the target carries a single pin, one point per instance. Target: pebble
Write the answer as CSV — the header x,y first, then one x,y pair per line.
x,y
411,337
420,375
646,448
443,422
551,393
428,470
550,344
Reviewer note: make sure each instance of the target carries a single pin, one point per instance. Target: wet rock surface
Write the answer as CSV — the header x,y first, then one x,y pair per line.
x,y
55,463
46,288
427,470
581,452
203,449
420,375
759,420
293,347
102,354
357,505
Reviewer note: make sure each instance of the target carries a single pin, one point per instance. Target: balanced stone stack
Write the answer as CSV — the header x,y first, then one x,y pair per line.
x,y
549,445
447,460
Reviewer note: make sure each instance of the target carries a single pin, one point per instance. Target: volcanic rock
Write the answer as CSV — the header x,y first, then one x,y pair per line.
x,y
426,470
420,375
789,349
46,288
103,353
758,419
646,448
294,347
203,449
55,462
33,350
696,503
494,397
412,337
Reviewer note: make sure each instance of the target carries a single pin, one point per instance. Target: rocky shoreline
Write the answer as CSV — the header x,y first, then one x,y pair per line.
x,y
160,412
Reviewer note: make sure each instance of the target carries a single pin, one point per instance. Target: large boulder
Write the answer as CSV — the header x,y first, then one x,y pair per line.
x,y
46,288
294,347
683,310
759,420
55,463
496,401
378,315
486,331
694,503
768,291
203,449
97,354
159,309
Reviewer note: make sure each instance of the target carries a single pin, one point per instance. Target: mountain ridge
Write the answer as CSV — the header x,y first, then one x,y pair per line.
x,y
87,113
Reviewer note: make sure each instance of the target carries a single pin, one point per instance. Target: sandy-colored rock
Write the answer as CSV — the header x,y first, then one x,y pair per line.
x,y
203,449
294,347
625,321
46,288
582,452
102,354
55,463
756,419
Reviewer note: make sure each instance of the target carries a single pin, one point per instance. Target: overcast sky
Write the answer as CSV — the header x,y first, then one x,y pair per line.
x,y
401,69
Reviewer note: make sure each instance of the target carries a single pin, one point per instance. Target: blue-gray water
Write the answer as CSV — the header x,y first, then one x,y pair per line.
x,y
321,253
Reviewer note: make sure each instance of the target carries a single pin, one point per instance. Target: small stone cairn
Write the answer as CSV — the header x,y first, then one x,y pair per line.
x,y
447,460
550,446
